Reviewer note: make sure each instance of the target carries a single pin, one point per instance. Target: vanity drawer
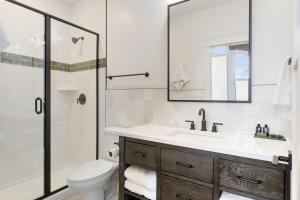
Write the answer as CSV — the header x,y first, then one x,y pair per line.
x,y
140,154
260,181
176,189
193,166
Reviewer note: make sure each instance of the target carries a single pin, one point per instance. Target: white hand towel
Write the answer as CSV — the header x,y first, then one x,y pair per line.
x,y
181,76
4,42
143,177
135,188
149,194
140,190
229,196
282,94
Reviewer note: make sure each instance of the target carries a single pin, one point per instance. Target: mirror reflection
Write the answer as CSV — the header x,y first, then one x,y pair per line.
x,y
209,51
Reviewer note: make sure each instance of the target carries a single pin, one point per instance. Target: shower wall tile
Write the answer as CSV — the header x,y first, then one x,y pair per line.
x,y
15,59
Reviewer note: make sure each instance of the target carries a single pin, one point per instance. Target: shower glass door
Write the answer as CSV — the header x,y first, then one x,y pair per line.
x,y
49,101
21,103
73,100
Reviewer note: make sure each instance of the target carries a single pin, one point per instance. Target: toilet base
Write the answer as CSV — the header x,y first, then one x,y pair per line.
x,y
94,195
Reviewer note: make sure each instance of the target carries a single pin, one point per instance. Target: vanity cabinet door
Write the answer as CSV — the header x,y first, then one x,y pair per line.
x,y
260,181
176,189
140,154
193,166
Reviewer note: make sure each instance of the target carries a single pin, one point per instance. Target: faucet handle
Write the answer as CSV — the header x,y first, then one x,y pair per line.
x,y
192,127
215,128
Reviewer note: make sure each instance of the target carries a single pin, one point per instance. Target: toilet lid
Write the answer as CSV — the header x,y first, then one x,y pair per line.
x,y
91,170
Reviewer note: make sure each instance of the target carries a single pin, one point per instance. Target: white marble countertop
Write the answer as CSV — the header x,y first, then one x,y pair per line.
x,y
243,145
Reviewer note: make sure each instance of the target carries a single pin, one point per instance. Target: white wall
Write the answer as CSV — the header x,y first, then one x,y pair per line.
x,y
137,42
55,7
296,113
272,38
91,14
137,36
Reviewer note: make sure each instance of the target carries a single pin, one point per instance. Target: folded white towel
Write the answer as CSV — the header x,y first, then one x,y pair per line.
x,y
140,176
181,76
229,196
4,42
282,94
140,190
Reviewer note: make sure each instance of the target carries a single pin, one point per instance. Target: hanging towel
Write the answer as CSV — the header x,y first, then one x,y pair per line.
x,y
140,176
282,96
229,196
181,76
140,190
4,42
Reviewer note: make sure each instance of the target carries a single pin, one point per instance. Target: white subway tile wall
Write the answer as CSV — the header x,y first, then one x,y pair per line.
x,y
136,107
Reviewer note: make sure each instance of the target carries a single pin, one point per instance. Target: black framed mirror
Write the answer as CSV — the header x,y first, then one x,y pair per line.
x,y
209,51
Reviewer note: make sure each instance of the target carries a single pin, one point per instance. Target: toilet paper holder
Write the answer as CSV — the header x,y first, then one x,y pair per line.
x,y
288,160
116,143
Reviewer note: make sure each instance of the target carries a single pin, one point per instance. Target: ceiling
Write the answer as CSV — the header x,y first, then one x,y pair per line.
x,y
70,1
195,5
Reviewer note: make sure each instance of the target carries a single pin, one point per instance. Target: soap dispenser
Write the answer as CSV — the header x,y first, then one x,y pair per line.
x,y
266,130
258,129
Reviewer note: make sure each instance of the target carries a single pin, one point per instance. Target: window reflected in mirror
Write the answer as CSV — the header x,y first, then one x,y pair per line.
x,y
230,72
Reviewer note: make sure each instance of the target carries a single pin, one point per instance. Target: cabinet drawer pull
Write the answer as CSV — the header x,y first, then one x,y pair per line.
x,y
249,180
183,197
139,154
184,165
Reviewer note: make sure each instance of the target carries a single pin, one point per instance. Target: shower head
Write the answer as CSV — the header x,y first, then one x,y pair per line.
x,y
75,40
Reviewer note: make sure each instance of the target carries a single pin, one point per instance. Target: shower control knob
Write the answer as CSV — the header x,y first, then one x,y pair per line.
x,y
81,99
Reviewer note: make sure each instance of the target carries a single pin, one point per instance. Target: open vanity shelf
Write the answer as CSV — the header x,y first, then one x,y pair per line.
x,y
189,174
133,196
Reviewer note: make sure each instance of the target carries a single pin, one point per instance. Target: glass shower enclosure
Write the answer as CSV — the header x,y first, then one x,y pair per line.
x,y
49,101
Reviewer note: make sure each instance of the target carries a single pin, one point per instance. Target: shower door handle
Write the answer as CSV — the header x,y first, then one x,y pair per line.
x,y
38,108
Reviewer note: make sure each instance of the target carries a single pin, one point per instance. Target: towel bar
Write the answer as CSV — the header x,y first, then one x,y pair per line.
x,y
117,76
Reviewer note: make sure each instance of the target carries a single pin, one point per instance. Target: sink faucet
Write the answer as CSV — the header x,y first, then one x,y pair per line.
x,y
202,113
215,128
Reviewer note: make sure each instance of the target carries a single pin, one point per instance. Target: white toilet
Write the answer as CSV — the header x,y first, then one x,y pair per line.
x,y
91,178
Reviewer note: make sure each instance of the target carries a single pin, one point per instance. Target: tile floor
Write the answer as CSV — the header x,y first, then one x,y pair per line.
x,y
32,189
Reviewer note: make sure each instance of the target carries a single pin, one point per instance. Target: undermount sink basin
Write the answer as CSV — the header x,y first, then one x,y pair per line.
x,y
182,133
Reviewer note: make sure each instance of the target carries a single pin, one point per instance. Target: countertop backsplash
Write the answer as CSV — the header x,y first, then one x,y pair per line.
x,y
141,106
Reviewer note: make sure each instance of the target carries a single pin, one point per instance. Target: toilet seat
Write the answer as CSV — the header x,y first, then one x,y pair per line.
x,y
91,171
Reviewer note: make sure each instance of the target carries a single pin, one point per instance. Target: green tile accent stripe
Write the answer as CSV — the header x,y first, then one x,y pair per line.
x,y
60,66
88,65
15,59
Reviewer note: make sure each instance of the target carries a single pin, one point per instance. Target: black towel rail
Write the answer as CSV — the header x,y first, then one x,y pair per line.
x,y
125,75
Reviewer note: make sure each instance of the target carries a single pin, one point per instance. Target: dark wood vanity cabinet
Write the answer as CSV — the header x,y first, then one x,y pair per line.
x,y
175,188
189,174
256,180
140,154
194,166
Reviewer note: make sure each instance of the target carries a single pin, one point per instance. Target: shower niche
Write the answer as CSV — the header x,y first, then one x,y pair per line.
x,y
45,74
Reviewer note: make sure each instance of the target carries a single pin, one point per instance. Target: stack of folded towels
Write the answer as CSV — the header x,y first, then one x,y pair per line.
x,y
141,181
229,196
